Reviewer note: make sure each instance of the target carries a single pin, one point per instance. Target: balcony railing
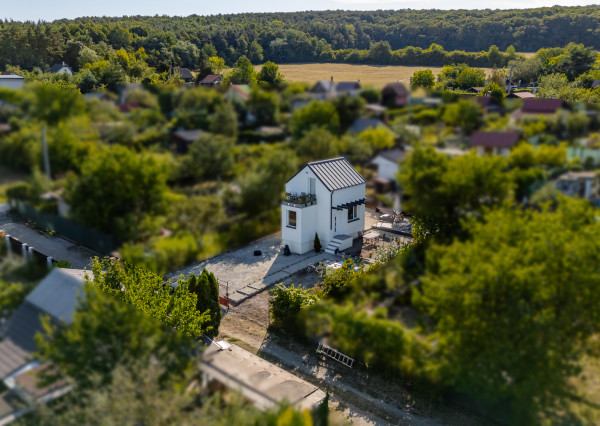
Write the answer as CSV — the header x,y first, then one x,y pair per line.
x,y
302,199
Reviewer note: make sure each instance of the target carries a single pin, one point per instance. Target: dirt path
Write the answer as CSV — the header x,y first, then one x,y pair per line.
x,y
356,395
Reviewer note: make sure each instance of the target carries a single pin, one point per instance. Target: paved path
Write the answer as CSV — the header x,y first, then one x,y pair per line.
x,y
57,247
248,275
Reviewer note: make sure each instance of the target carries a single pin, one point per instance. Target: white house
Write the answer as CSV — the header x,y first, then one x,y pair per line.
x,y
387,163
11,80
579,184
327,198
61,69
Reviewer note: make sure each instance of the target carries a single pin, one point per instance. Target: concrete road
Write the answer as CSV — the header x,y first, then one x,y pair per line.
x,y
248,275
57,247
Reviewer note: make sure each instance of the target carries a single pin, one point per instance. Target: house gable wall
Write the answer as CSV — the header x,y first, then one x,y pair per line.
x,y
386,169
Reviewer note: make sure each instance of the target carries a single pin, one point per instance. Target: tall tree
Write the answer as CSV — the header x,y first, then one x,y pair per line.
x,y
515,304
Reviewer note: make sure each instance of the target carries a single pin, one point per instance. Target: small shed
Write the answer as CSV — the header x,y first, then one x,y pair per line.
x,y
263,384
394,95
185,74
211,80
499,143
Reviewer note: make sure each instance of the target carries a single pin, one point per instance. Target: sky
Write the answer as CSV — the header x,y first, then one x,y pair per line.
x,y
35,10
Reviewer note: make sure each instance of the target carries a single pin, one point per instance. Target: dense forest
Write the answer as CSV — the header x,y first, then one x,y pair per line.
x,y
379,37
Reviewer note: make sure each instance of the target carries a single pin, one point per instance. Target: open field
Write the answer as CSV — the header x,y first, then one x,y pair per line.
x,y
370,75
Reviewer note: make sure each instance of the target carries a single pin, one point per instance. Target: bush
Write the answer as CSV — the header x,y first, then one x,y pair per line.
x,y
317,243
19,191
286,303
206,288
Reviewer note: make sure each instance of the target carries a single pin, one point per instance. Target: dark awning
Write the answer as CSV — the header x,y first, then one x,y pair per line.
x,y
350,205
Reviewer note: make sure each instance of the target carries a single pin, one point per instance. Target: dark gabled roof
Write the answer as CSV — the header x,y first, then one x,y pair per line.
x,y
336,173
55,296
184,73
394,155
18,343
57,67
361,124
210,79
533,105
322,86
397,88
347,86
494,139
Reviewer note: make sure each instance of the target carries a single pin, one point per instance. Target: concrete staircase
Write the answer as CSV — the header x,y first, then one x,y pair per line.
x,y
337,241
332,246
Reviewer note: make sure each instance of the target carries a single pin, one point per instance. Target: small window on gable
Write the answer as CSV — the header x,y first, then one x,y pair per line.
x,y
291,218
352,213
312,186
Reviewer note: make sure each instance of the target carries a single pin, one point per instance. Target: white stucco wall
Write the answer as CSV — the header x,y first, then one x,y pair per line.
x,y
300,239
386,169
505,152
12,83
347,195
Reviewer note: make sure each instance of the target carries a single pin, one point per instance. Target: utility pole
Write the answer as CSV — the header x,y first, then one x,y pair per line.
x,y
45,152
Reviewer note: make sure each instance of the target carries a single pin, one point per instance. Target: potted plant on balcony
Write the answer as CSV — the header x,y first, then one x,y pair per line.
x,y
317,243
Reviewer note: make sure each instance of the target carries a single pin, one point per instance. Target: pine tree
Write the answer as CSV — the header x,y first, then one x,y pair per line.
x,y
317,243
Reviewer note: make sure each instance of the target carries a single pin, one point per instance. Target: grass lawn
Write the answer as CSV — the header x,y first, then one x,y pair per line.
x,y
369,75
9,177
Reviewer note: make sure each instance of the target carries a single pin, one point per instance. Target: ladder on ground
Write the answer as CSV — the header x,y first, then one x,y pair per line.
x,y
335,354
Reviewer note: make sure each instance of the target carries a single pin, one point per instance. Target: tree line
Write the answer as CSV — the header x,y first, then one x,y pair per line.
x,y
344,36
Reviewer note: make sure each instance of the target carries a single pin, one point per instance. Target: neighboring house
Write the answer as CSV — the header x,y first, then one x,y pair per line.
x,y
394,95
238,93
61,69
211,80
533,107
185,74
498,143
323,90
361,124
184,138
263,384
579,184
475,90
56,296
327,89
11,80
521,95
350,88
127,89
387,163
488,104
377,110
325,198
